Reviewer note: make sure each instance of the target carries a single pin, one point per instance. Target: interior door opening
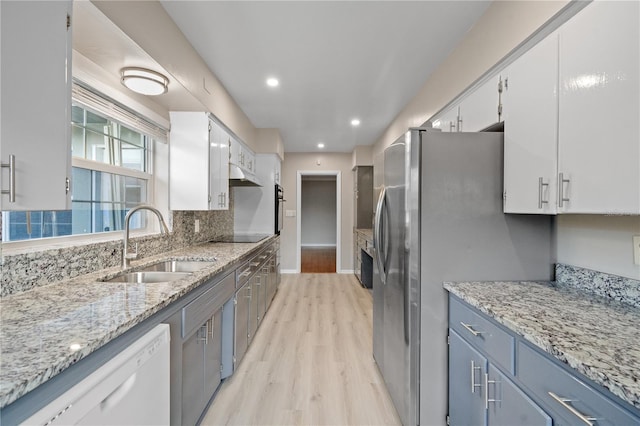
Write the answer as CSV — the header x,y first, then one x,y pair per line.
x,y
318,223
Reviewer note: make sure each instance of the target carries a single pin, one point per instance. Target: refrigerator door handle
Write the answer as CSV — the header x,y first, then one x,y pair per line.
x,y
377,234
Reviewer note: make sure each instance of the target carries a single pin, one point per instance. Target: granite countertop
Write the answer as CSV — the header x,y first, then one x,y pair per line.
x,y
45,330
368,233
596,336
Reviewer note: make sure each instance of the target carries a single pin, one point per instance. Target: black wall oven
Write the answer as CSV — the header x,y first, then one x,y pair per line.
x,y
279,209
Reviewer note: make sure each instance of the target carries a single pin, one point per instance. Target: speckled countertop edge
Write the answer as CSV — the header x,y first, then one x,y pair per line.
x,y
39,327
595,336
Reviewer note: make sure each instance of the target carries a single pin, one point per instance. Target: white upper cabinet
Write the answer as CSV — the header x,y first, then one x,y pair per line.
x,y
447,121
36,104
599,127
199,165
219,165
530,112
242,156
572,117
479,110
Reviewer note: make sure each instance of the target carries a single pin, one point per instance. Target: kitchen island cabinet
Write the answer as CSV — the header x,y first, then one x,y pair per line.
x,y
569,356
36,104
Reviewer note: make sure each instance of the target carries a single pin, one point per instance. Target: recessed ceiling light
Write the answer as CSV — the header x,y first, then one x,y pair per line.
x,y
320,145
272,82
355,122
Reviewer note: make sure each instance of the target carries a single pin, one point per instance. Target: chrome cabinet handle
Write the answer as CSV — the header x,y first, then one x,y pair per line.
x,y
204,339
563,401
459,121
213,323
11,165
488,382
541,185
561,197
474,385
470,329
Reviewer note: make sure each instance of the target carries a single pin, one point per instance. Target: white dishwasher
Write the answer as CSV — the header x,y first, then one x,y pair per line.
x,y
130,389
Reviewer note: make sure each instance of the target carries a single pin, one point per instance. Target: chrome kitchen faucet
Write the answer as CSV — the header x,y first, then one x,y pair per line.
x,y
126,256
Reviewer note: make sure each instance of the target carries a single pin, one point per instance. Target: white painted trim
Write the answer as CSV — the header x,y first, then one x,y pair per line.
x,y
318,245
346,271
338,175
289,271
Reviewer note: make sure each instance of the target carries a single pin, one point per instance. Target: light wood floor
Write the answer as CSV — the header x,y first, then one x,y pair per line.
x,y
310,362
318,259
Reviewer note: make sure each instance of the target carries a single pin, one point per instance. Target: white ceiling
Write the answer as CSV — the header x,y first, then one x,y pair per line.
x,y
335,60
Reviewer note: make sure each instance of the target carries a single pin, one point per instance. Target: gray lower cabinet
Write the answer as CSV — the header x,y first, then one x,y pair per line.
x,y
508,405
466,383
486,389
201,361
480,394
242,310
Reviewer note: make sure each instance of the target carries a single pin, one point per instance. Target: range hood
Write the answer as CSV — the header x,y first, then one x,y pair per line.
x,y
238,177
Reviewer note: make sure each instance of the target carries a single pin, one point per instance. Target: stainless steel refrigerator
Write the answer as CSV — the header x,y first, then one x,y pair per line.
x,y
439,218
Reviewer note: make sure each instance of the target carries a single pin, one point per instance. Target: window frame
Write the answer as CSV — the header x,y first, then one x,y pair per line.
x,y
151,227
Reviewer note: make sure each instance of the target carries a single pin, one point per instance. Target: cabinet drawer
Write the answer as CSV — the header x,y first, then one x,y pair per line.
x,y
482,333
197,312
543,378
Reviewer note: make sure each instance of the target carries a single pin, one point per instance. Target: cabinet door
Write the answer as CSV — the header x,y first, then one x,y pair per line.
x,y
447,121
508,405
480,108
257,304
36,103
241,341
213,355
277,170
466,383
599,129
193,400
236,156
219,168
189,151
530,108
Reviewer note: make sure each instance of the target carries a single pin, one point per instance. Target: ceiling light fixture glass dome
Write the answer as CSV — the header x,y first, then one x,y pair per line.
x,y
144,81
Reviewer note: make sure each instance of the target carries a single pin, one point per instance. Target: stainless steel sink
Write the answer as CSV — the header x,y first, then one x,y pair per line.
x,y
148,277
177,266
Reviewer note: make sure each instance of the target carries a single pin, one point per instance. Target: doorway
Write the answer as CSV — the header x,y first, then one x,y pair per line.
x,y
318,222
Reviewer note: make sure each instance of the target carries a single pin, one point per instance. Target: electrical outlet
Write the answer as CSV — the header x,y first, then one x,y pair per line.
x,y
636,250
197,226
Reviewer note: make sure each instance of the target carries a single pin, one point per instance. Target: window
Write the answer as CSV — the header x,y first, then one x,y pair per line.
x,y
111,174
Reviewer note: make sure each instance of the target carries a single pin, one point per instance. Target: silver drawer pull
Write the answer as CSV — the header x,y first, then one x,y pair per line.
x,y
11,165
470,329
564,402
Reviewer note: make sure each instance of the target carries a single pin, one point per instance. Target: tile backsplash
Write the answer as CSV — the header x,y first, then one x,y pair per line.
x,y
30,269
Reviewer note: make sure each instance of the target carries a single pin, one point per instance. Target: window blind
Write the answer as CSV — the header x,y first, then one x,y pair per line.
x,y
117,112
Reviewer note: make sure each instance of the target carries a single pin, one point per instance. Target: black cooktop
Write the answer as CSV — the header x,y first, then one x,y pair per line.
x,y
248,238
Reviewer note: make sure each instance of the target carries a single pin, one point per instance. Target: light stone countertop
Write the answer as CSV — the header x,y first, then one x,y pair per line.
x,y
598,337
39,327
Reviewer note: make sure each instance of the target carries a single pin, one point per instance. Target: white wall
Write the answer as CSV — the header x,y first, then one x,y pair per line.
x,y
309,162
601,243
318,212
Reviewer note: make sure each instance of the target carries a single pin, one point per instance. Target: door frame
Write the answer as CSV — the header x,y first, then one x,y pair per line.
x,y
338,175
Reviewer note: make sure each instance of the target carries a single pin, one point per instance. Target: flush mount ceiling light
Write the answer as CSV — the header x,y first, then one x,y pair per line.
x,y
272,82
321,145
144,81
355,122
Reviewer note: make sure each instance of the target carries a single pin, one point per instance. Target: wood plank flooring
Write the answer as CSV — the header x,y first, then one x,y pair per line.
x,y
310,362
318,260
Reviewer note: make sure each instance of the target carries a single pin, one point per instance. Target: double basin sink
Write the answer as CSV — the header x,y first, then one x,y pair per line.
x,y
161,272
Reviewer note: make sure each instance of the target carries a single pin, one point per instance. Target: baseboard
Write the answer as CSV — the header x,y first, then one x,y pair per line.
x,y
318,245
346,271
289,271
